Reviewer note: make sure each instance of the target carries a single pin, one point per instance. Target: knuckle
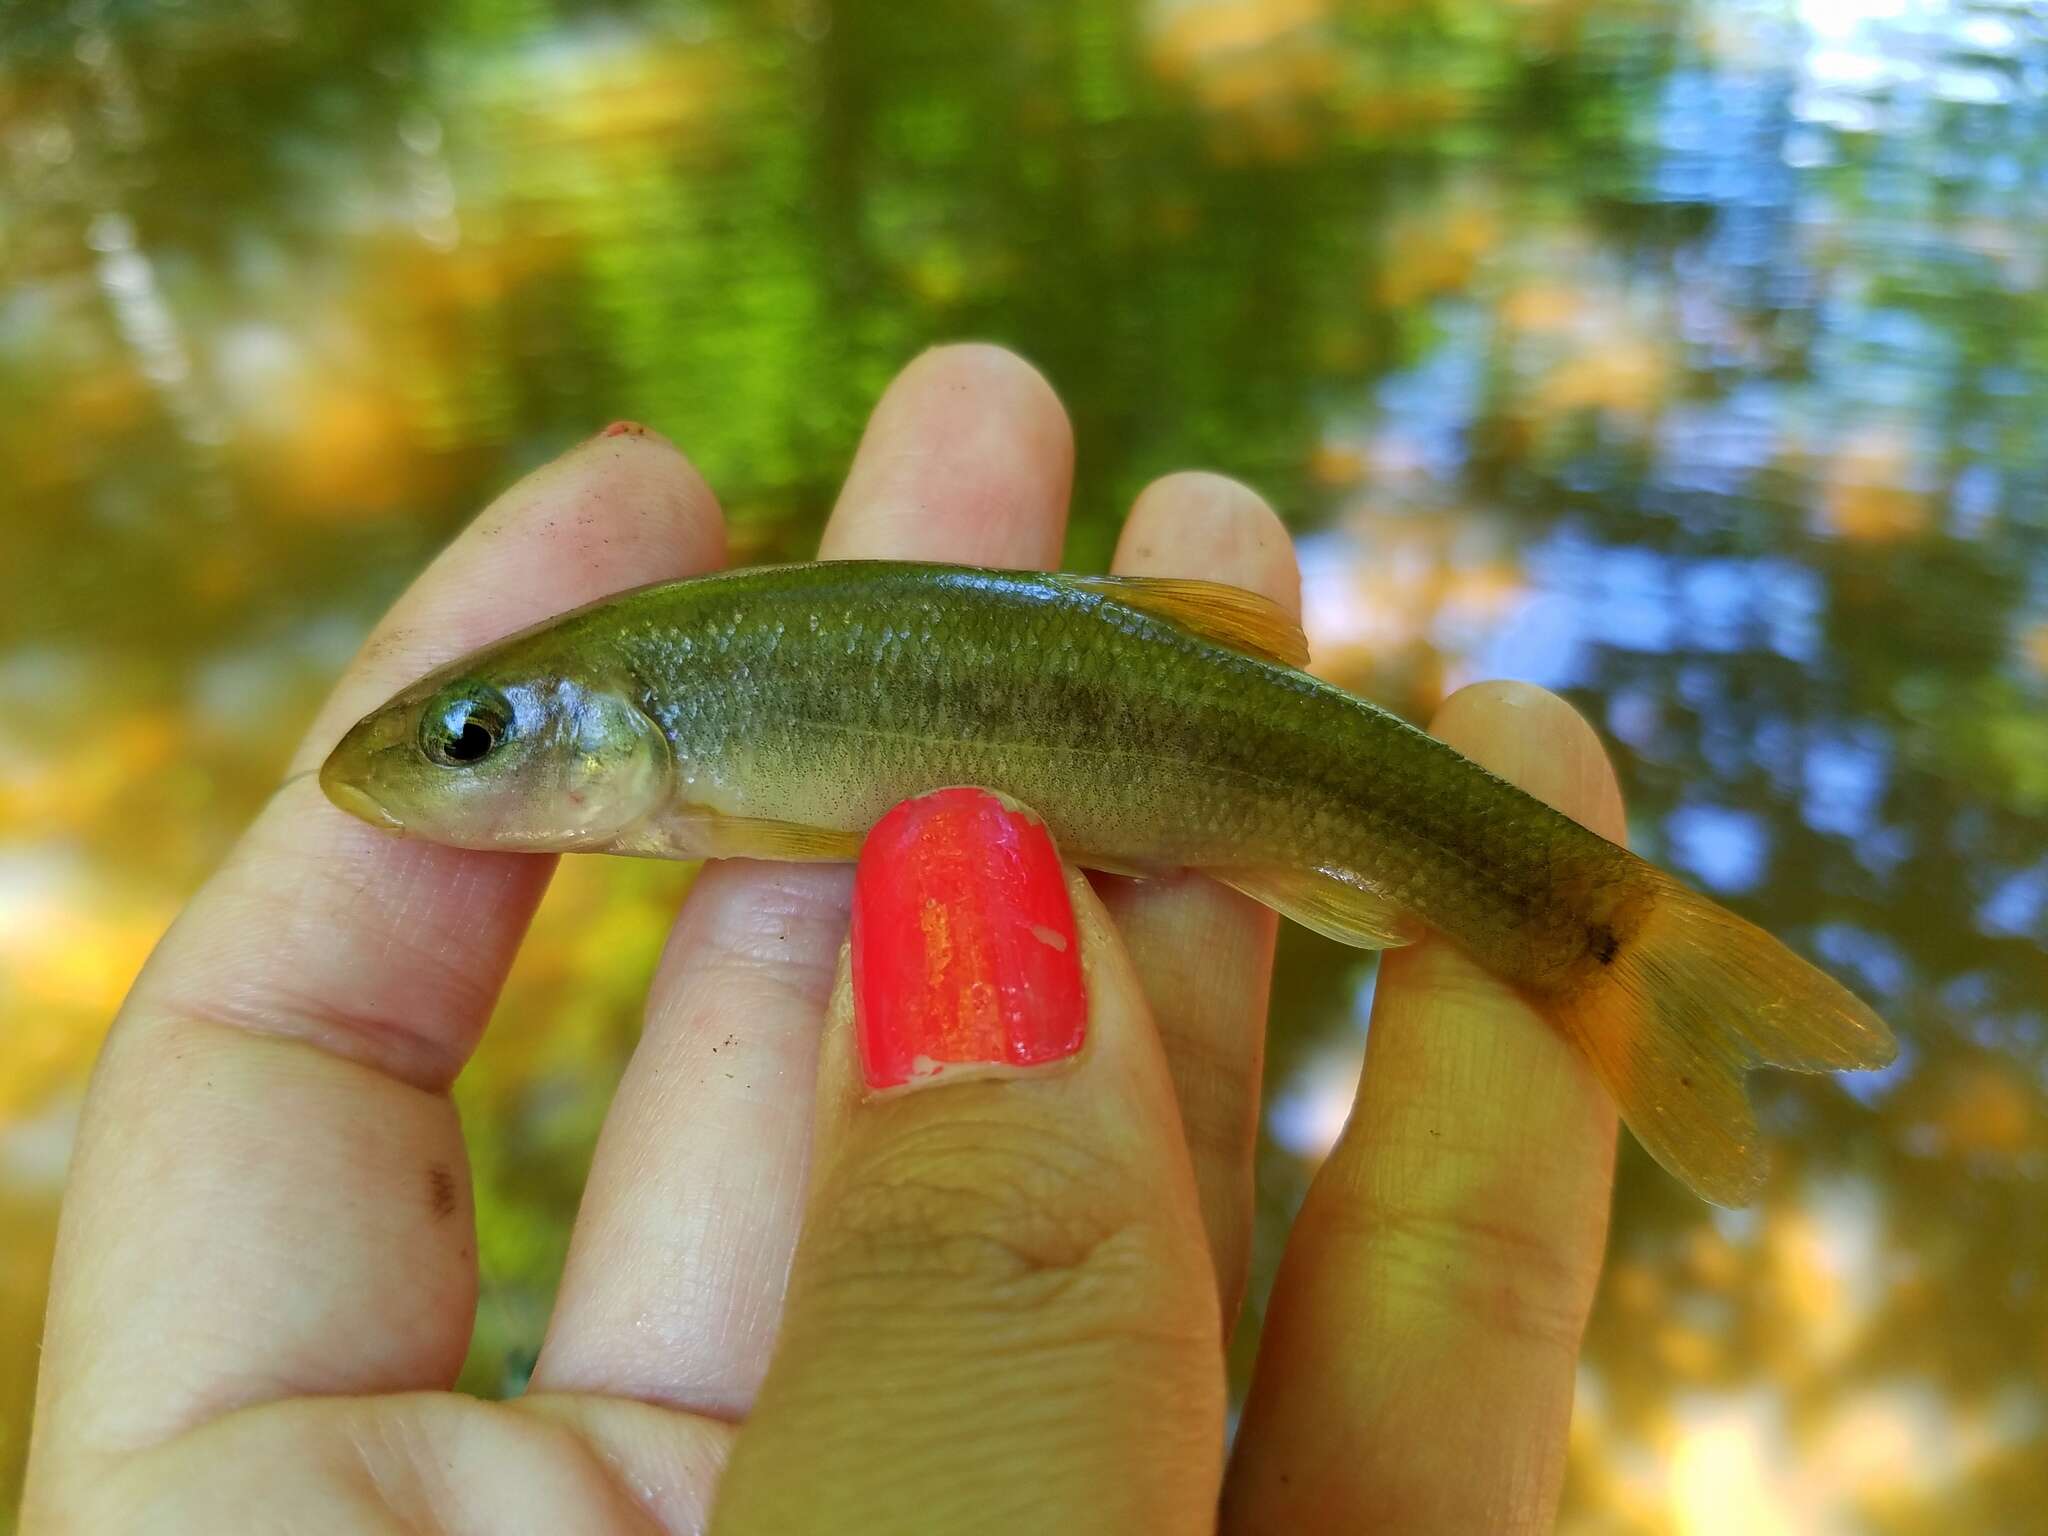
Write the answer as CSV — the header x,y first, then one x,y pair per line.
x,y
993,1217
1488,1268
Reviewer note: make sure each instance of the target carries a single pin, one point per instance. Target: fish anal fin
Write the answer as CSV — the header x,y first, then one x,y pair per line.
x,y
1229,616
1325,904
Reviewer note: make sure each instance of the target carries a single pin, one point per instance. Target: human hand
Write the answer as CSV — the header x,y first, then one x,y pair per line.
x,y
1010,1299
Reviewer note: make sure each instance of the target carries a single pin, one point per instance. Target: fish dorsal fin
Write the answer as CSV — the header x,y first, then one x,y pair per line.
x,y
1228,615
1325,904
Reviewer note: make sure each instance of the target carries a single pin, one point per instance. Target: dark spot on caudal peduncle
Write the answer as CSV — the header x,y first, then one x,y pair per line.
x,y
1602,943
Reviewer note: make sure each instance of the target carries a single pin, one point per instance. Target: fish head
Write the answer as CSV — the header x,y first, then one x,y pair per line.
x,y
503,756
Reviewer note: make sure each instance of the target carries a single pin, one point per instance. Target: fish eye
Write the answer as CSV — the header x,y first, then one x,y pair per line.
x,y
464,728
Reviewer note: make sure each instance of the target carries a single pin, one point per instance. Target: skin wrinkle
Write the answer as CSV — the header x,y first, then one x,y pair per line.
x,y
1016,1310
752,1312
972,1202
613,1470
1521,1290
410,1463
695,1273
1034,1320
677,1472
414,928
399,1471
389,1044
402,943
790,932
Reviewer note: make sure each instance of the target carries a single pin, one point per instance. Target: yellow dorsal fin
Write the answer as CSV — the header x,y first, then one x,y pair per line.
x,y
1230,616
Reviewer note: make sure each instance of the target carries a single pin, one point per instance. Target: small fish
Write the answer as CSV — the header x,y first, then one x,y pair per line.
x,y
1156,725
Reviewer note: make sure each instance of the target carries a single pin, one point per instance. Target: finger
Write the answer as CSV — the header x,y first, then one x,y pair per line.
x,y
1203,952
673,1288
673,1285
270,1195
1447,1252
968,459
1001,1315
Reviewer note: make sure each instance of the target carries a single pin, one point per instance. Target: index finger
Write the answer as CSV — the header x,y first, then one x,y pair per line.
x,y
269,1195
1421,1344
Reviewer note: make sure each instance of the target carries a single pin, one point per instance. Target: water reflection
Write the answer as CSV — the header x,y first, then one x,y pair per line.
x,y
1688,359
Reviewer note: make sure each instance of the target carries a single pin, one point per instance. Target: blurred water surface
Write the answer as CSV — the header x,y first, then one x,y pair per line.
x,y
1688,359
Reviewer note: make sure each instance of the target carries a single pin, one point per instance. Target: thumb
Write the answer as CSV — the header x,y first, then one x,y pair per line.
x,y
1001,1312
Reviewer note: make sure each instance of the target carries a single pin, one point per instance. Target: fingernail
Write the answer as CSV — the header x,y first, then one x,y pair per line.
x,y
964,949
624,429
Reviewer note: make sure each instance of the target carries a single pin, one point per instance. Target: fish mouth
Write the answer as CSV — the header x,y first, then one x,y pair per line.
x,y
342,776
363,805
360,803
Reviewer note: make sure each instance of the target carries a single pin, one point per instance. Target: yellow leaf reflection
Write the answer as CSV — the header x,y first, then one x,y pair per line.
x,y
1393,601
1256,67
1822,1275
1869,487
349,452
1981,1110
1204,31
1437,254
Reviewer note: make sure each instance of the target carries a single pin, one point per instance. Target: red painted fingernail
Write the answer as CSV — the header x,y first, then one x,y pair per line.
x,y
964,950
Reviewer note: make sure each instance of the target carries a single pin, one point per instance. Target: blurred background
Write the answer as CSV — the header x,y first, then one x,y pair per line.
x,y
1689,359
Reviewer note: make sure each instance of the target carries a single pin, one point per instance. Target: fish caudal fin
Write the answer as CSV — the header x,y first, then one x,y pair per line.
x,y
1688,1003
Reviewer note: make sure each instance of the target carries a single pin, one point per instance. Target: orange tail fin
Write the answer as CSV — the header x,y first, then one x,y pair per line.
x,y
1691,1001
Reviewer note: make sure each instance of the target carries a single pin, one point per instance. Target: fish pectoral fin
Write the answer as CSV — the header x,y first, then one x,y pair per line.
x,y
1128,869
752,837
1230,616
1325,904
